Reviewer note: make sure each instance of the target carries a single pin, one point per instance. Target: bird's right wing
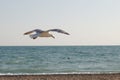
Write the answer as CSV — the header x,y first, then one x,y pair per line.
x,y
59,31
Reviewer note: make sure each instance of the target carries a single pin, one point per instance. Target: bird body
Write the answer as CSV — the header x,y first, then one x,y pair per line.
x,y
41,33
45,34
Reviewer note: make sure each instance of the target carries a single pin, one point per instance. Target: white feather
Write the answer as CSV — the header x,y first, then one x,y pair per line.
x,y
34,36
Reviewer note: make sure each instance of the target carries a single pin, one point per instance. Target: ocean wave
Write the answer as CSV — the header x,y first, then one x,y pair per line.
x,y
59,73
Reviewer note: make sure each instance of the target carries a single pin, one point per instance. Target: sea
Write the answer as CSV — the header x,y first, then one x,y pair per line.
x,y
59,59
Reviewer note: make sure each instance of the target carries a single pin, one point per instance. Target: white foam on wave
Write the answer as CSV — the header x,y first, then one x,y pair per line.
x,y
59,73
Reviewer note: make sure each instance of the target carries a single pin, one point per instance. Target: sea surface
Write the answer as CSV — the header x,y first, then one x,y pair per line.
x,y
59,59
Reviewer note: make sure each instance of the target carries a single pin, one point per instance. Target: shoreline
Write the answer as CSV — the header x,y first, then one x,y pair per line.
x,y
102,76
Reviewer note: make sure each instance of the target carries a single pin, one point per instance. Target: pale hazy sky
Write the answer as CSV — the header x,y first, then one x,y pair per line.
x,y
90,22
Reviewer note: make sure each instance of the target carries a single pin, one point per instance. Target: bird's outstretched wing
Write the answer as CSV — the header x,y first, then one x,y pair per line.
x,y
59,31
29,32
36,30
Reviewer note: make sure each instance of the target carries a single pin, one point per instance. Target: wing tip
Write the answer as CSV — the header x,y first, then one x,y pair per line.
x,y
67,33
28,32
25,34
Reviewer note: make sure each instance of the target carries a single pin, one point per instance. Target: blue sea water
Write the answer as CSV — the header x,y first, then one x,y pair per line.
x,y
59,59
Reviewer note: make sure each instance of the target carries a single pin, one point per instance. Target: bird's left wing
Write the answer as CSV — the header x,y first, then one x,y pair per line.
x,y
35,30
29,32
59,31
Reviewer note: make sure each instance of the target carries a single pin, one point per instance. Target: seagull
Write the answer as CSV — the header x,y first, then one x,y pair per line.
x,y
41,33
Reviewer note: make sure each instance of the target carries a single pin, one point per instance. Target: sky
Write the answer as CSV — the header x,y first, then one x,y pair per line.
x,y
89,22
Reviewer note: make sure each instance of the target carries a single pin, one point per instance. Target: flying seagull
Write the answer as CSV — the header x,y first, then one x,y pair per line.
x,y
41,33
